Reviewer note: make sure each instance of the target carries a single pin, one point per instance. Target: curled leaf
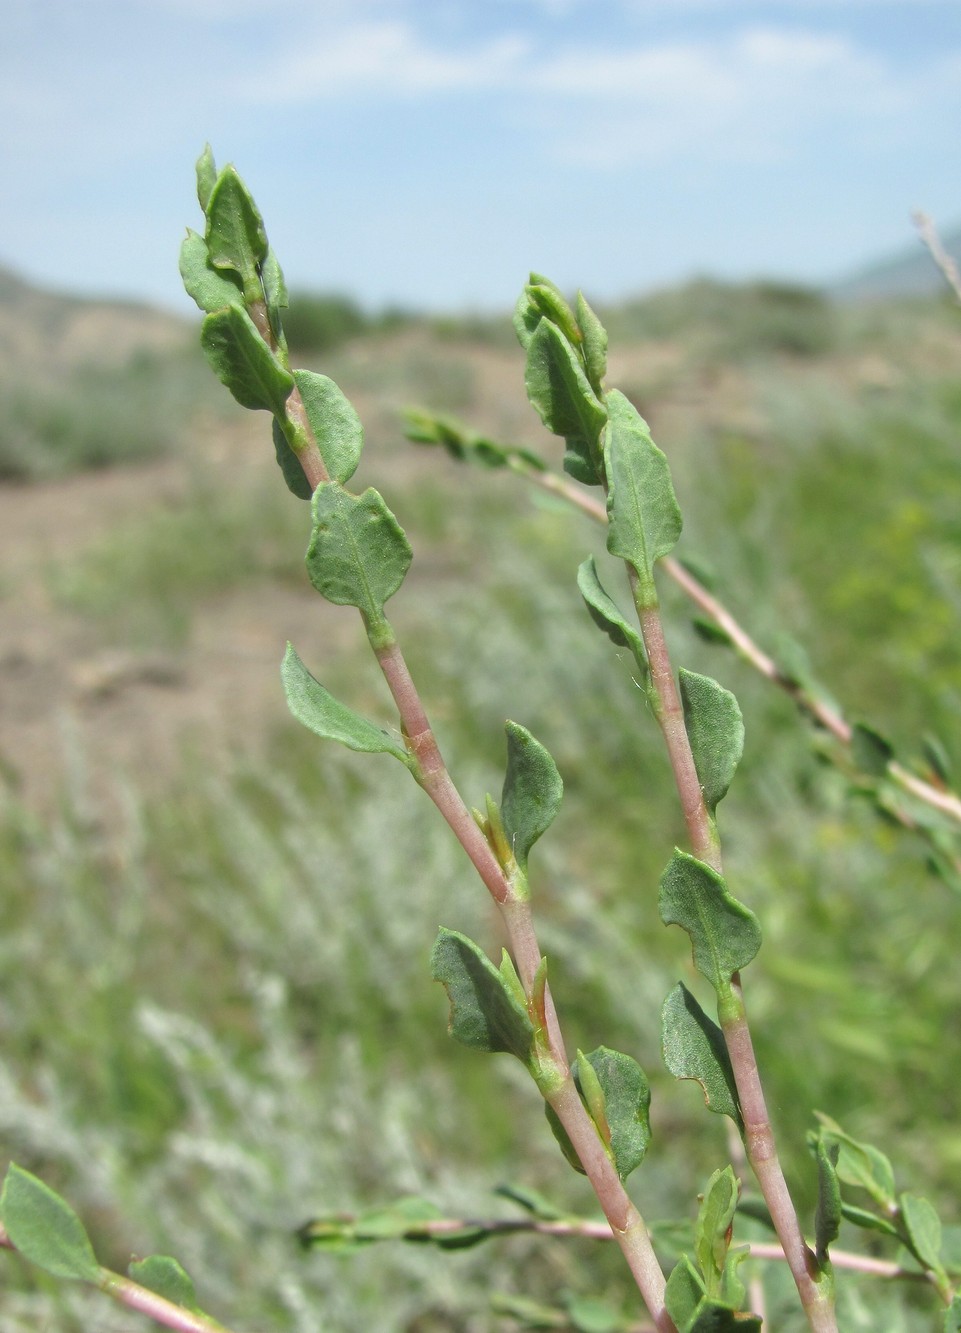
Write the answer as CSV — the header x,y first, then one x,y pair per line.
x,y
532,791
485,1012
724,933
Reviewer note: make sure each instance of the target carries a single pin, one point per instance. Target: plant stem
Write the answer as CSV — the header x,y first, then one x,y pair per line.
x,y
583,1228
626,1222
135,1297
946,801
759,1134
670,718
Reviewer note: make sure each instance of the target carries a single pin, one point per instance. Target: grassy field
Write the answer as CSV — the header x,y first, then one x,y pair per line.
x,y
216,1013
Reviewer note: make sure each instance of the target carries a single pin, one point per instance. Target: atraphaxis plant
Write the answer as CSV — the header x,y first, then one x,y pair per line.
x,y
596,1102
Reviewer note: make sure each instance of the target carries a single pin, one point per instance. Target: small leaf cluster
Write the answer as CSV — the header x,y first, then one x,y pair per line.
x,y
907,1218
43,1228
705,1293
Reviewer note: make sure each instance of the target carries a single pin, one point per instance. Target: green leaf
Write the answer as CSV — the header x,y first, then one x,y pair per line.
x,y
716,732
923,1227
527,316
714,1220
408,1219
528,1313
484,1012
684,1293
358,553
952,1316
559,391
936,756
694,1047
210,289
167,1278
715,1317
724,933
594,335
732,1291
321,713
464,446
532,1201
616,1095
396,1220
235,232
871,751
607,615
861,1164
710,631
289,464
645,521
275,288
243,361
532,791
626,1105
589,1315
860,1217
45,1229
828,1214
206,176
335,423
552,304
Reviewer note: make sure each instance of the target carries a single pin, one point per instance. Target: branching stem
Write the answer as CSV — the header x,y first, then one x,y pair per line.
x,y
759,1133
144,1301
938,797
432,774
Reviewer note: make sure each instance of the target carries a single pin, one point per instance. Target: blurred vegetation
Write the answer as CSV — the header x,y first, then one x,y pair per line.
x,y
316,323
94,416
217,1020
735,321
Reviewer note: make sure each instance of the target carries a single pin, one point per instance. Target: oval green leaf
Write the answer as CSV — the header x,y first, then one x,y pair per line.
x,y
716,732
166,1277
289,464
532,791
923,1227
861,1164
206,176
484,1011
235,232
336,425
607,615
693,1047
828,1214
684,1293
714,1219
358,553
627,1103
321,713
563,398
45,1229
210,289
594,337
243,361
724,934
645,521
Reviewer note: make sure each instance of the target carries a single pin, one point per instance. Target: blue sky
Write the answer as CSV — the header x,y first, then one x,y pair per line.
x,y
430,152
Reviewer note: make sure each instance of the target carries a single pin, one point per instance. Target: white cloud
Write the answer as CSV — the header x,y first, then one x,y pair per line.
x,y
748,95
386,59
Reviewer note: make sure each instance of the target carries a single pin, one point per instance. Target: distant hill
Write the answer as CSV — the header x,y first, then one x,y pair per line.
x,y
43,331
909,272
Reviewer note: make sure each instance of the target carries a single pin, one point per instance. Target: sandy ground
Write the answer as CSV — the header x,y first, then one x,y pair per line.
x,y
122,713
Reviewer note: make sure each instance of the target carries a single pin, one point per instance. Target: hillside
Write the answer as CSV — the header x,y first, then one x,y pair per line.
x,y
43,331
909,272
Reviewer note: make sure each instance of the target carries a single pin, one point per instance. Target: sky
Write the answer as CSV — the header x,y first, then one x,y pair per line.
x,y
429,153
